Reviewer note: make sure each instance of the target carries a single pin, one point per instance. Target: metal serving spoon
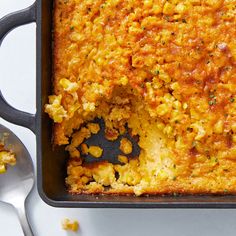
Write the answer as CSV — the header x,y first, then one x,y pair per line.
x,y
18,181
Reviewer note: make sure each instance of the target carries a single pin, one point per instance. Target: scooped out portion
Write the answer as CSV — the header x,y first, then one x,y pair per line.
x,y
163,71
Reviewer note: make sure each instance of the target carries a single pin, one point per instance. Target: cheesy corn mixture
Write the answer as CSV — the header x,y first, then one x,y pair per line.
x,y
164,68
70,225
7,157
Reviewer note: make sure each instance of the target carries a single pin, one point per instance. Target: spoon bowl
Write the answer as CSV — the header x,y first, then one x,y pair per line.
x,y
18,181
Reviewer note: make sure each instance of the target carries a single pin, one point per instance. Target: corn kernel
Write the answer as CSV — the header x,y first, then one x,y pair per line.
x,y
95,151
122,159
233,127
214,3
2,169
218,127
104,174
68,85
125,146
89,106
169,8
84,148
124,80
165,77
180,8
160,126
162,109
156,9
7,157
177,105
232,47
198,127
168,130
185,106
175,86
234,138
84,179
55,110
148,3
94,128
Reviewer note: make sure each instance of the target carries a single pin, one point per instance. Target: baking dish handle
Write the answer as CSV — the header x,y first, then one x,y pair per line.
x,y
7,24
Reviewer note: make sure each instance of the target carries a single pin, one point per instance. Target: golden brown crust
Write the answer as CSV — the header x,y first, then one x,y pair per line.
x,y
159,193
61,17
168,69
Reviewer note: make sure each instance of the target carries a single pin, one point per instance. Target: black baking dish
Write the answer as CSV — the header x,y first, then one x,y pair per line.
x,y
51,163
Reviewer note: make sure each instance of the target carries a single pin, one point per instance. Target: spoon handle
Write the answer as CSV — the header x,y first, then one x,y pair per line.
x,y
23,220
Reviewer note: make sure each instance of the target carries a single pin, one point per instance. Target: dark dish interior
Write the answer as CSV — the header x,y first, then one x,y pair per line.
x,y
52,163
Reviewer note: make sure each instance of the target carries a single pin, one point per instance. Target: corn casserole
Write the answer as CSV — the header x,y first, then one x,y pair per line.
x,y
7,157
70,225
164,69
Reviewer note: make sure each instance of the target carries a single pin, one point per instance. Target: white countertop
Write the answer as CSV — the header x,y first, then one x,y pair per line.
x,y
17,82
